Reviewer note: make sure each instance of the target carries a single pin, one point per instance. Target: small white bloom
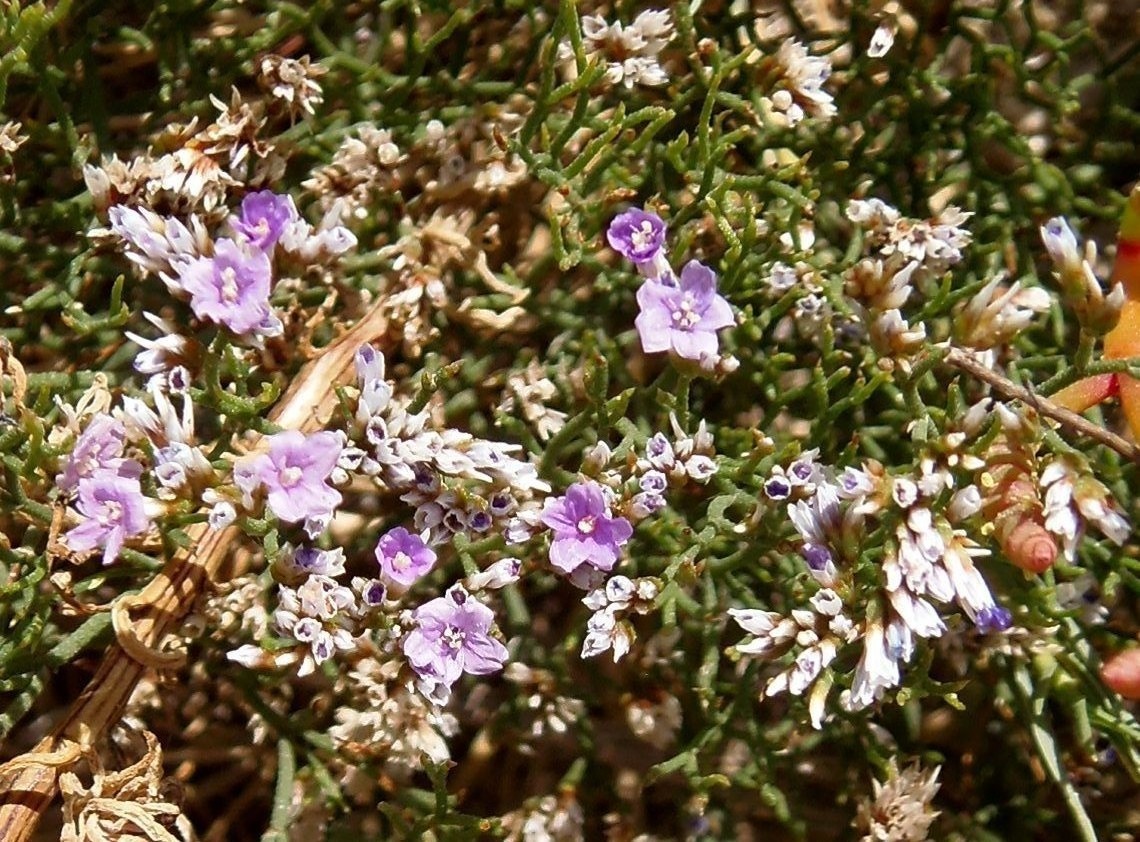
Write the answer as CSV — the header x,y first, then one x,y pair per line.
x,y
881,41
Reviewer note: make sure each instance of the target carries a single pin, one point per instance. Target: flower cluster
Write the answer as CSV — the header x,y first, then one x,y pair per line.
x,y
110,501
631,53
606,630
677,314
455,481
799,91
1079,284
935,244
929,561
226,281
1074,498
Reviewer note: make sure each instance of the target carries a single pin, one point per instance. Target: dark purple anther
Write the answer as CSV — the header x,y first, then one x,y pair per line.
x,y
817,556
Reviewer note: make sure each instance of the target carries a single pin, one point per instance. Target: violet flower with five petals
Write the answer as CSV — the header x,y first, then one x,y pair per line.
x,y
295,472
98,448
114,509
585,535
451,637
403,557
683,319
231,288
264,216
637,235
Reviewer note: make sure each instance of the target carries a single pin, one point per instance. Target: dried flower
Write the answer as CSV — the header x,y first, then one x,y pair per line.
x,y
900,809
804,76
10,137
630,52
292,81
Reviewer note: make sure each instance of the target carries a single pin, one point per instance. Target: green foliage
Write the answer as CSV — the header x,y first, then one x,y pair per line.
x,y
1016,112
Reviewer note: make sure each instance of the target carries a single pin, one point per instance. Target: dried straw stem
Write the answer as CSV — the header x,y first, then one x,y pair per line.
x,y
963,361
28,784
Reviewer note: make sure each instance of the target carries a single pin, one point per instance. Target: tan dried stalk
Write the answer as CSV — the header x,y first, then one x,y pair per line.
x,y
29,783
964,361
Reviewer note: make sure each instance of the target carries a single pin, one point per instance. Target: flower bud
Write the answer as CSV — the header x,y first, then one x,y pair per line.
x,y
1122,673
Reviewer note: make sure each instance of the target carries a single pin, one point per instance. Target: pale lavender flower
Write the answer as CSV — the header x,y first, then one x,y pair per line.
x,y
264,216
638,236
403,557
451,637
585,535
231,288
113,508
295,473
683,319
99,448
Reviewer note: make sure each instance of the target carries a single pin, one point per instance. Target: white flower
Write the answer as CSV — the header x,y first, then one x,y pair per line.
x,y
1061,243
1072,499
874,214
965,503
877,671
904,492
781,278
881,41
805,76
629,52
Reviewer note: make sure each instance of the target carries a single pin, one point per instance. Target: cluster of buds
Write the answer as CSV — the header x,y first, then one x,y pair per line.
x,y
686,458
434,470
936,243
1096,311
817,632
606,630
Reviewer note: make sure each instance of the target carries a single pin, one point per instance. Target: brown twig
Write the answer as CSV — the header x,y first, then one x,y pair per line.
x,y
29,783
963,361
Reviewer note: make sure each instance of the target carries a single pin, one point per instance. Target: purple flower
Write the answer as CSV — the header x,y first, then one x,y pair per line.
x,y
637,235
995,619
817,556
98,448
451,637
584,532
403,557
114,509
294,471
231,288
777,487
264,216
683,319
